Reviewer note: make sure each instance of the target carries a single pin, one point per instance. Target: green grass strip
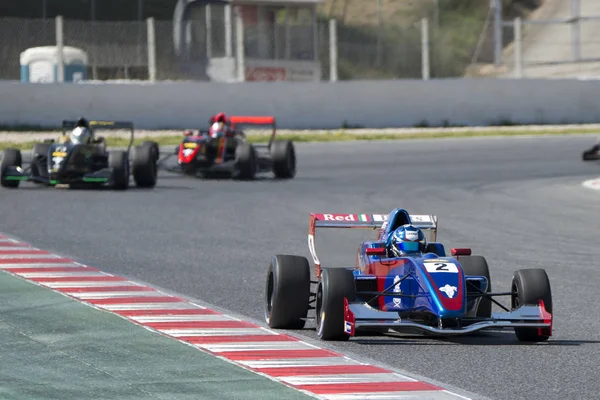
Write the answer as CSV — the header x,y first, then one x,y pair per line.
x,y
342,136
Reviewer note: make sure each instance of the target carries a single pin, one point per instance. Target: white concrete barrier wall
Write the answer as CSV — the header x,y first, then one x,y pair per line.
x,y
324,105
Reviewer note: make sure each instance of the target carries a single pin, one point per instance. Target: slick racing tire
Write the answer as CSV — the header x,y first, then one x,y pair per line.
x,y
119,162
39,160
529,286
155,148
335,284
284,159
11,158
287,292
477,266
245,162
145,170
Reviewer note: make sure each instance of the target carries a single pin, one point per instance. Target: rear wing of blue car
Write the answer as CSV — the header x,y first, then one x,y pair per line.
x,y
428,223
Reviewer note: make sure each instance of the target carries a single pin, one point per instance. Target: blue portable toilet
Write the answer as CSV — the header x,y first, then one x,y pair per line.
x,y
40,64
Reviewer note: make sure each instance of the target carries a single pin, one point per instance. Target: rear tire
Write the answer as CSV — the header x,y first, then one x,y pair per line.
x,y
284,159
477,266
119,162
529,286
155,148
335,284
145,170
287,292
11,158
245,162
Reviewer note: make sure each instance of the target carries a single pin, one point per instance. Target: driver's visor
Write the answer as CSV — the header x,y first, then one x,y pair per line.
x,y
408,246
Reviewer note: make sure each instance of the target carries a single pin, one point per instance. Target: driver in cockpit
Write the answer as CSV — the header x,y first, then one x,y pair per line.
x,y
82,134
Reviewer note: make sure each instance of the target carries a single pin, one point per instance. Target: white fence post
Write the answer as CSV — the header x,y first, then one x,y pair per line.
x,y
498,42
576,30
518,48
425,49
333,53
239,45
151,32
60,44
379,34
208,19
228,30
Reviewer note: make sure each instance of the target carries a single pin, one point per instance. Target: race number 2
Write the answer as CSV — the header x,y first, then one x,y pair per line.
x,y
441,267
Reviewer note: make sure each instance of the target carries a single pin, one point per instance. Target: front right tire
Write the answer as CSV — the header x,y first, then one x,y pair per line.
x,y
145,169
284,159
118,161
245,162
529,286
335,284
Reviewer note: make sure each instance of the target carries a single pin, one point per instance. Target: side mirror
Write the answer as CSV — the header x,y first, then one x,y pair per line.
x,y
376,251
461,252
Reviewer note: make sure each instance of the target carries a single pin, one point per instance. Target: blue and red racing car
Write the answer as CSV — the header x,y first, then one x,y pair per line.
x,y
404,283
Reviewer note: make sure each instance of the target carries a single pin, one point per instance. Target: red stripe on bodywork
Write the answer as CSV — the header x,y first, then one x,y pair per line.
x,y
323,370
382,271
369,387
450,304
50,269
132,300
185,160
183,311
220,151
199,324
107,289
107,278
36,261
276,354
237,339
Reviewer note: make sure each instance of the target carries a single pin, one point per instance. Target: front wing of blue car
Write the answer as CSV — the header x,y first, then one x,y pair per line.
x,y
360,316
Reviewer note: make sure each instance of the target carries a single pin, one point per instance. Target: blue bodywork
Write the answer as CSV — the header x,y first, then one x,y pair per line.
x,y
432,285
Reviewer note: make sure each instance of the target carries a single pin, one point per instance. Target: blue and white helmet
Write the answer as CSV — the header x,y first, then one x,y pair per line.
x,y
408,240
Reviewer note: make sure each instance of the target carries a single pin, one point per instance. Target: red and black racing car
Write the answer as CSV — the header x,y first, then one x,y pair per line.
x,y
223,150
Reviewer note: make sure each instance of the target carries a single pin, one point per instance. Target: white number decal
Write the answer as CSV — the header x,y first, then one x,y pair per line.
x,y
441,267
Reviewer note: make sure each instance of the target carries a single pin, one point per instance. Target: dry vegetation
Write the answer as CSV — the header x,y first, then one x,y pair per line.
x,y
457,29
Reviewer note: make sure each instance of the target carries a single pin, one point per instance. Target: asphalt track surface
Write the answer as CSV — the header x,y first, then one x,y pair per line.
x,y
518,201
